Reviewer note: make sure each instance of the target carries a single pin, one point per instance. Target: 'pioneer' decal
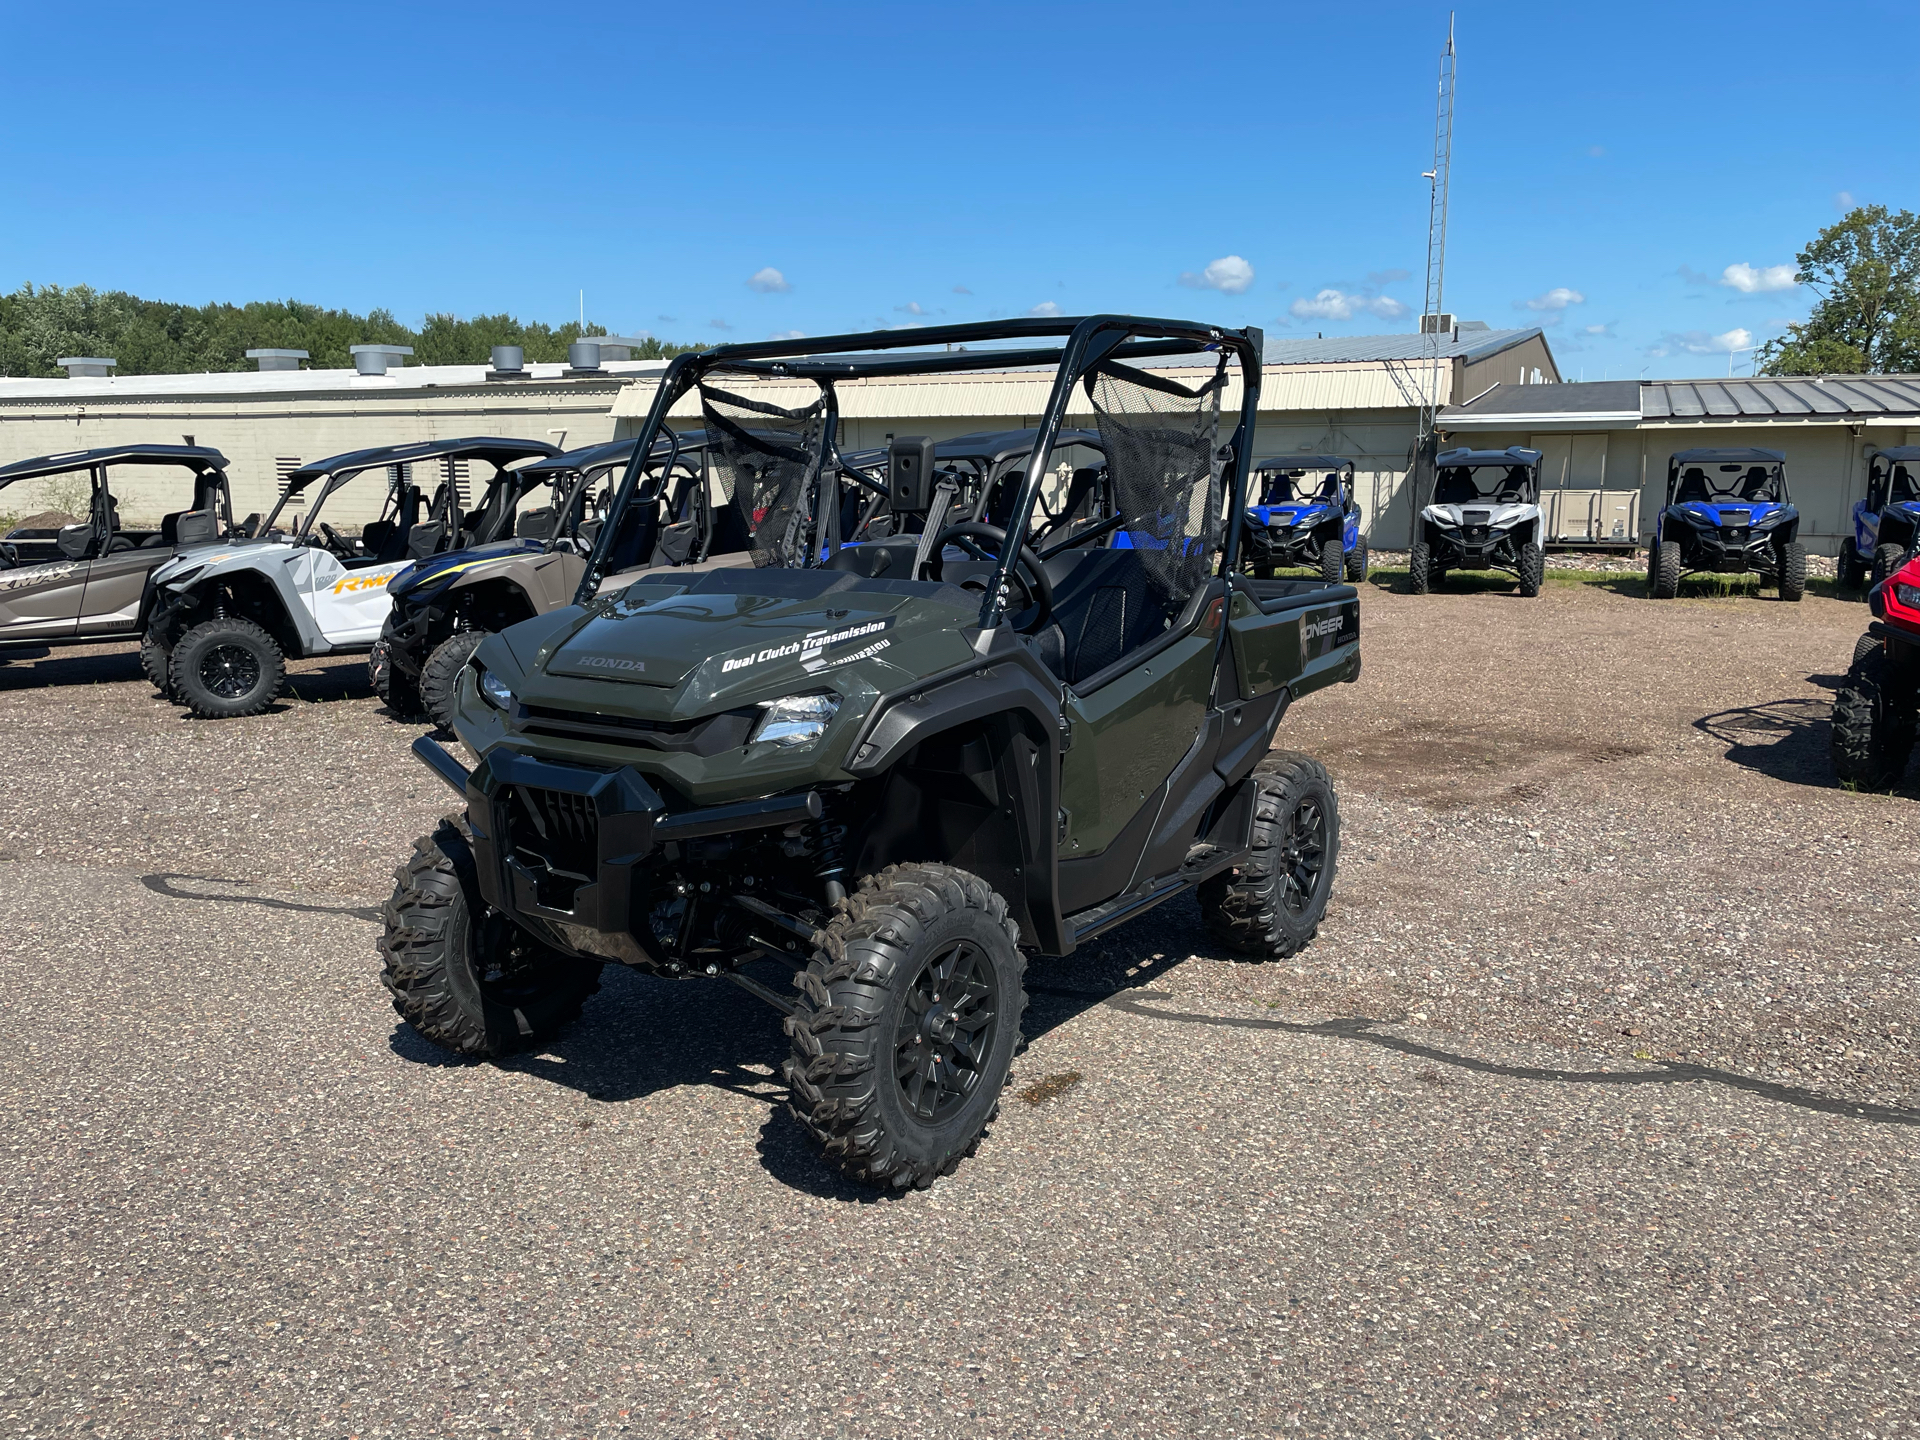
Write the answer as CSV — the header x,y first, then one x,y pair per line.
x,y
1325,630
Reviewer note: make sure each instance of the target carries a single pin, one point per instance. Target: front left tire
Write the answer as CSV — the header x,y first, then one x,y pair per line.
x,y
227,668
440,676
1874,721
1532,569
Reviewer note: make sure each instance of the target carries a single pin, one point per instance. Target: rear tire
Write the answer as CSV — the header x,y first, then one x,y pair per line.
x,y
1792,560
226,669
1873,723
1271,903
1886,560
1533,569
466,977
1420,569
895,1078
154,660
440,676
1664,580
1357,562
1851,572
1331,561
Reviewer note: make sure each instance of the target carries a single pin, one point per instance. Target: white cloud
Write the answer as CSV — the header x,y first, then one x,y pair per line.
x,y
1606,330
1045,310
961,290
1843,200
1699,342
768,281
788,335
1229,274
1749,281
1555,300
912,307
1333,304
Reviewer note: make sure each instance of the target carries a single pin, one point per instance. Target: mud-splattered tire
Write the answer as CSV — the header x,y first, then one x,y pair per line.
x,y
897,1086
466,977
440,676
1886,560
1663,576
1532,569
1792,561
1332,560
154,660
1357,562
1270,904
226,669
1873,723
1420,569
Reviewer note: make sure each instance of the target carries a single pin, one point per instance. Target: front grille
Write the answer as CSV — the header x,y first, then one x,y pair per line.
x,y
556,835
1475,517
709,735
1735,534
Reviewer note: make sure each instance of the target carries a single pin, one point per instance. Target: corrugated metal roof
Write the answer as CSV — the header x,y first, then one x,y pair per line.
x,y
1767,397
1466,344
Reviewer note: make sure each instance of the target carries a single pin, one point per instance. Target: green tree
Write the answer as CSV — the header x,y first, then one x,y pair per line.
x,y
1865,269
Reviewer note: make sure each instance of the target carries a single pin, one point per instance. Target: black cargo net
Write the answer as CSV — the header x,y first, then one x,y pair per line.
x,y
767,463
1162,440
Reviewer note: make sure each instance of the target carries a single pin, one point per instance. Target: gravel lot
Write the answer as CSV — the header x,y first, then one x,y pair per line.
x,y
1592,1112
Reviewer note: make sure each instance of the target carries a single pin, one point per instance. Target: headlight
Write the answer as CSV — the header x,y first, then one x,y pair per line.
x,y
1772,517
494,691
1907,595
795,720
1702,516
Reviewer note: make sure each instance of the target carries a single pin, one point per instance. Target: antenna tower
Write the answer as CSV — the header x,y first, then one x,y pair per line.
x,y
1432,312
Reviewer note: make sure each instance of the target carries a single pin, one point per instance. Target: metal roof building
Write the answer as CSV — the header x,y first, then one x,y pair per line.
x,y
1616,435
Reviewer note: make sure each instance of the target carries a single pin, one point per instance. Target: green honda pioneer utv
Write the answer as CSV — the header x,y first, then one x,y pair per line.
x,y
888,771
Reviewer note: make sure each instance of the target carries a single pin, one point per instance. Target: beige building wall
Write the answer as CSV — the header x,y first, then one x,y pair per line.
x,y
255,431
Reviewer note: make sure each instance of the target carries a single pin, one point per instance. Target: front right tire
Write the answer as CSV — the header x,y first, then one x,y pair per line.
x,y
440,676
1420,568
1357,562
227,668
1532,569
465,977
908,1024
1663,579
1886,560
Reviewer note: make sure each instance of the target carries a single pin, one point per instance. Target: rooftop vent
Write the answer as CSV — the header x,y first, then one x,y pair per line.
x,y
277,359
584,355
374,359
1440,324
619,347
85,367
509,363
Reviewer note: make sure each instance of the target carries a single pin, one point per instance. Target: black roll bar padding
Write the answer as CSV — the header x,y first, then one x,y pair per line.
x,y
441,764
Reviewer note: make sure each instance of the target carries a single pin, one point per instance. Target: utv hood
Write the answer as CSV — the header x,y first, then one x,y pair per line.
x,y
1736,512
423,573
1496,515
1287,515
722,640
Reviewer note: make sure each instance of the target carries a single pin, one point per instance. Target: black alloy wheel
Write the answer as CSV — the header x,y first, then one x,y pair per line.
x,y
946,1032
229,671
1303,854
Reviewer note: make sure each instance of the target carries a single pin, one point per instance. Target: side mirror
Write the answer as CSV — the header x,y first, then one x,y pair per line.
x,y
76,540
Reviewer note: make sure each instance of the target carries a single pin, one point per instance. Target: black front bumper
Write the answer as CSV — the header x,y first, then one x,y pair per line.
x,y
1267,545
566,848
1732,550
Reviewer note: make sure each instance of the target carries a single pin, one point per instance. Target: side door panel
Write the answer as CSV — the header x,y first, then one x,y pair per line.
x,y
115,584
42,602
1127,738
350,605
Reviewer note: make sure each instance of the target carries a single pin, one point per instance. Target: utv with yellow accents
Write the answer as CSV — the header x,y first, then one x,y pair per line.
x,y
867,782
223,618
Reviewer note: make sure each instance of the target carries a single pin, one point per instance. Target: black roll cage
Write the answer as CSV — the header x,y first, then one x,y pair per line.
x,y
1088,342
339,471
1743,459
1290,465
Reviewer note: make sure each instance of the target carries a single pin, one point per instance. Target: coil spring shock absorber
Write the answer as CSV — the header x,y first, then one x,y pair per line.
x,y
829,847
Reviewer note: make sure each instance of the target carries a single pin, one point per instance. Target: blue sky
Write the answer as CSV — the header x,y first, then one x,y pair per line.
x,y
712,172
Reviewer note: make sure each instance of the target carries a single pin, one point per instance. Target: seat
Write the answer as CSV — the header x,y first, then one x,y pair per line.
x,y
1455,487
1104,607
1757,484
378,537
1693,487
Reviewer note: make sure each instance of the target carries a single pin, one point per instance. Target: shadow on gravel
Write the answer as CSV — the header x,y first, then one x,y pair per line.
x,y
1785,739
336,682
62,669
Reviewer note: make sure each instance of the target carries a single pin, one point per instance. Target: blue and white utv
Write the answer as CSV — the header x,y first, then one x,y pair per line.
x,y
1306,515
1727,513
1886,524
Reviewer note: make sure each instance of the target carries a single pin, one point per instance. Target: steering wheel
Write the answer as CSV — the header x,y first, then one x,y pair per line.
x,y
1028,573
335,543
